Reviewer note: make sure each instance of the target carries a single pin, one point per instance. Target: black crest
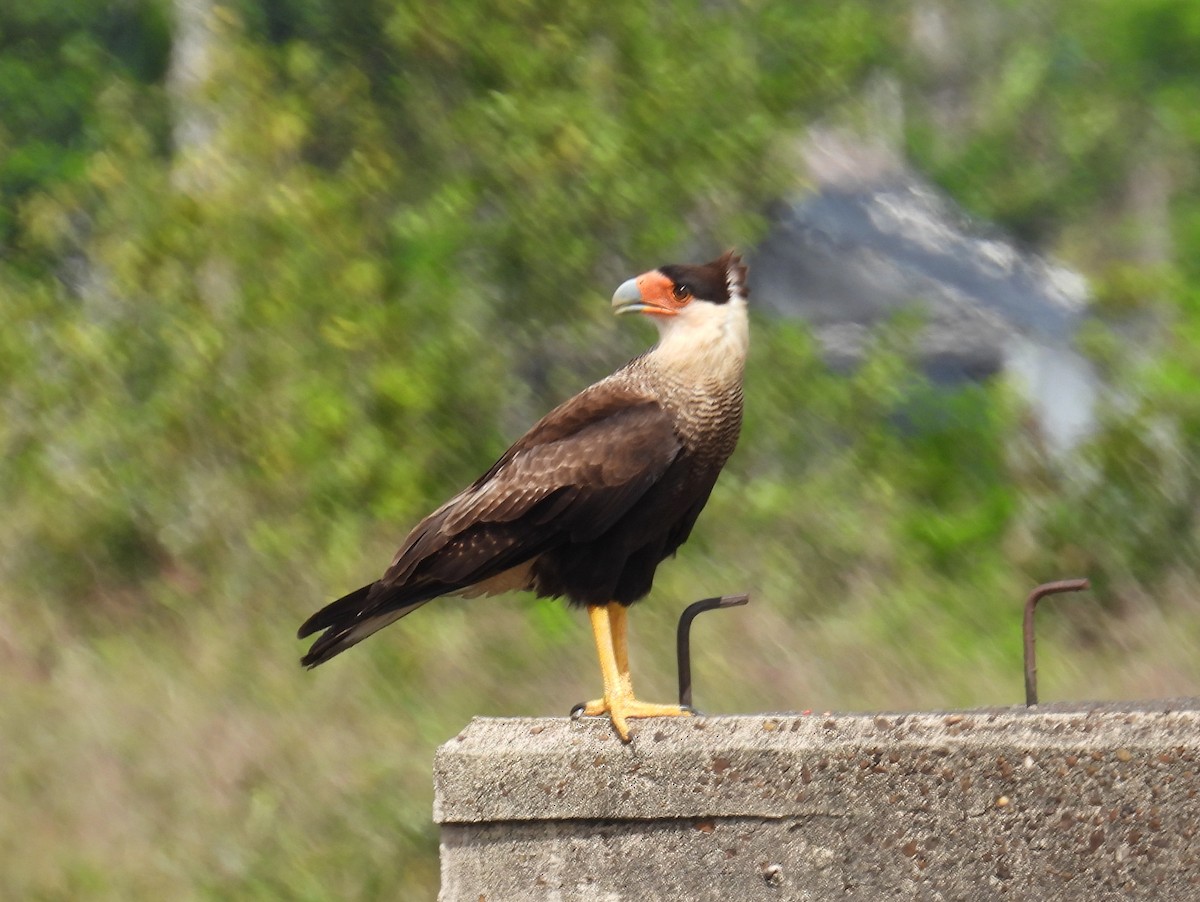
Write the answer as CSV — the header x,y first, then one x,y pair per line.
x,y
716,281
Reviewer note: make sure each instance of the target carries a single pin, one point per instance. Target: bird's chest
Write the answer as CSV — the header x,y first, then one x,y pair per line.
x,y
708,420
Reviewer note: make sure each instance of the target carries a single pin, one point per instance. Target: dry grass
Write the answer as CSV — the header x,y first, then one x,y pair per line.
x,y
188,756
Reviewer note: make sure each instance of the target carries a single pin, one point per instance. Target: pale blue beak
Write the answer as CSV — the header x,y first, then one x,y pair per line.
x,y
628,298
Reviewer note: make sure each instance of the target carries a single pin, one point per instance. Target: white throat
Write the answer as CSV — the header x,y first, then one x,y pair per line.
x,y
704,342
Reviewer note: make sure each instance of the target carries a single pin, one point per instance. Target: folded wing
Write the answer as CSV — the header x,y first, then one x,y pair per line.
x,y
569,479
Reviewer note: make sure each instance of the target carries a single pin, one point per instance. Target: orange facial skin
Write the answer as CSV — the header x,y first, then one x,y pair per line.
x,y
660,295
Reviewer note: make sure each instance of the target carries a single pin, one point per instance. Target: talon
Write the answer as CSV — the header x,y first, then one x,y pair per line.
x,y
621,727
594,708
608,629
622,708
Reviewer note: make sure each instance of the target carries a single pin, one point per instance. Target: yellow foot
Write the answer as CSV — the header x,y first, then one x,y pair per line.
x,y
622,707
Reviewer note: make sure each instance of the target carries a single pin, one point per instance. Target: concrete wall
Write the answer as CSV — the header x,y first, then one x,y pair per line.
x,y
1055,803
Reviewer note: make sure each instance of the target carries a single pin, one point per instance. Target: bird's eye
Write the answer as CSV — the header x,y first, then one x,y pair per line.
x,y
681,293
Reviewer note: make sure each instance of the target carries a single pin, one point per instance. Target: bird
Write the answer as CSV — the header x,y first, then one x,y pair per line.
x,y
596,494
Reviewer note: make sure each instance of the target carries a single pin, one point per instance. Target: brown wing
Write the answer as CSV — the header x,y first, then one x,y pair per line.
x,y
572,476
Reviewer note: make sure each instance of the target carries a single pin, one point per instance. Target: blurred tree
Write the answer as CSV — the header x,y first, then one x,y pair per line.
x,y
277,326
1075,125
53,60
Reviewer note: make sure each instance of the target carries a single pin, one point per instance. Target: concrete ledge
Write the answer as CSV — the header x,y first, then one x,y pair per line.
x,y
1058,802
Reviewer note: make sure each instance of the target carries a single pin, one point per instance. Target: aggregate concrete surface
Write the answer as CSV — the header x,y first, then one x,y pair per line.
x,y
1057,802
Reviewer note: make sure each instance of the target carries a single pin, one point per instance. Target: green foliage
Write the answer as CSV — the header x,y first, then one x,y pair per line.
x,y
52,62
1083,131
251,326
235,368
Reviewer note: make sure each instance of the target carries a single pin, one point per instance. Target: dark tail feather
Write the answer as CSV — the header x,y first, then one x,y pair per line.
x,y
346,622
346,606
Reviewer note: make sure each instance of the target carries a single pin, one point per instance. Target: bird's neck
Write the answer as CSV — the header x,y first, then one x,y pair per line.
x,y
705,344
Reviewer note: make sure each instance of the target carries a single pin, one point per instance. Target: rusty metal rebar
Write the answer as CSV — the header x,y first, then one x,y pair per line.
x,y
683,638
1029,635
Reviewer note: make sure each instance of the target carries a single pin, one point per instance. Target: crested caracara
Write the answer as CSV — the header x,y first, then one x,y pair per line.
x,y
590,500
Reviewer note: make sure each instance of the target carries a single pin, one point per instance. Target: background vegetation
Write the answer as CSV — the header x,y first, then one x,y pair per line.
x,y
276,277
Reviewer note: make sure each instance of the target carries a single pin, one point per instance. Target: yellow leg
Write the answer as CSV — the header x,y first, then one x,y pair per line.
x,y
609,629
617,619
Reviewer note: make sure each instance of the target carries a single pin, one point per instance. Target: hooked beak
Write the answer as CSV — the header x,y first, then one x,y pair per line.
x,y
632,296
628,298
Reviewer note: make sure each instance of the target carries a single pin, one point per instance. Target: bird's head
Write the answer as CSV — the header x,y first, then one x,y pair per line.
x,y
684,289
700,312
